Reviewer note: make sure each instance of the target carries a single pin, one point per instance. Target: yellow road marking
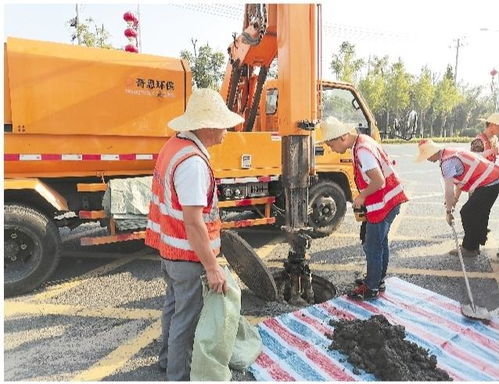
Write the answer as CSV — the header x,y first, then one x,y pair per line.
x,y
255,319
14,340
395,270
121,355
50,292
264,251
396,223
16,308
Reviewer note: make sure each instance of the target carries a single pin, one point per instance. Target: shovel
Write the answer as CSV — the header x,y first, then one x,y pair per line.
x,y
469,310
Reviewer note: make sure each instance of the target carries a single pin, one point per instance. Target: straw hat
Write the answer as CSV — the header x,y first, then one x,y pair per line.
x,y
494,119
427,148
332,128
205,109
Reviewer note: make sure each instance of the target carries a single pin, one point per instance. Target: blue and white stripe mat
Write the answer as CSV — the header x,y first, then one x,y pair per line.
x,y
295,347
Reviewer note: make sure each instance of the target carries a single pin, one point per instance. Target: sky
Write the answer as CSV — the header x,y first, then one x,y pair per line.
x,y
419,32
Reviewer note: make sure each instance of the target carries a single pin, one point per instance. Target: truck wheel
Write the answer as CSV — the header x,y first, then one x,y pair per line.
x,y
31,249
327,207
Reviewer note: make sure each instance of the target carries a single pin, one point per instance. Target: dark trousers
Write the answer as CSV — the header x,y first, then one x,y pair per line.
x,y
475,216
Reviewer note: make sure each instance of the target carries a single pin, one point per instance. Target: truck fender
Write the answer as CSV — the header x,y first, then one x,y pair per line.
x,y
49,194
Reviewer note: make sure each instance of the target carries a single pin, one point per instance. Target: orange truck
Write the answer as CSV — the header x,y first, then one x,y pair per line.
x,y
77,119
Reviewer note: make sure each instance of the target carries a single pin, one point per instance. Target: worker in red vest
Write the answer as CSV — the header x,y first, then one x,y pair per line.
x,y
184,224
463,170
380,193
486,143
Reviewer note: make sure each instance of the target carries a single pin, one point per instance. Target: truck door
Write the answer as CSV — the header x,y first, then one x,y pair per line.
x,y
343,104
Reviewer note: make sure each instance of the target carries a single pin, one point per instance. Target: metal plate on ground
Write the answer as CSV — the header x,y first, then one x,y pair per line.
x,y
248,266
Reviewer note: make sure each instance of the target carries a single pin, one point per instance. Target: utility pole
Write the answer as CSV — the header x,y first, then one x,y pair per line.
x,y
459,44
139,42
77,21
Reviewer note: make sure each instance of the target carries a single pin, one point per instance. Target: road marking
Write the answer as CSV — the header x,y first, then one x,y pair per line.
x,y
121,355
425,196
55,290
14,340
253,320
264,251
13,308
402,271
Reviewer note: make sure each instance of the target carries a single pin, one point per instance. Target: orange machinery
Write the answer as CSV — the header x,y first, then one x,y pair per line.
x,y
77,118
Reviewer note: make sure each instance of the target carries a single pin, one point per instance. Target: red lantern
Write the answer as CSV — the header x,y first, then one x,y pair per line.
x,y
129,17
130,33
131,48
493,72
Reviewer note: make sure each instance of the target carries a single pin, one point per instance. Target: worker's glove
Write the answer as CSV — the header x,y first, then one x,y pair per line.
x,y
449,217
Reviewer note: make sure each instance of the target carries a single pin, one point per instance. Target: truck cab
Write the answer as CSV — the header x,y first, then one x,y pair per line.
x,y
335,184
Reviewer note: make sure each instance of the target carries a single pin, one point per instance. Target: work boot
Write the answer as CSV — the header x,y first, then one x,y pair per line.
x,y
465,252
381,286
362,292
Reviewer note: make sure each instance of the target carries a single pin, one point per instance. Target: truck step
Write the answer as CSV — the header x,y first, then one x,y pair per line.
x,y
92,214
248,222
91,187
85,241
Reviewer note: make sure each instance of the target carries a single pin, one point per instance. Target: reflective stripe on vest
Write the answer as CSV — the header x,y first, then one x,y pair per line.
x,y
478,171
166,228
380,203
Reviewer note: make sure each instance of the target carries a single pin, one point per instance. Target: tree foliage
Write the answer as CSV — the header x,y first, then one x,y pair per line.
x,y
88,33
444,108
344,64
206,65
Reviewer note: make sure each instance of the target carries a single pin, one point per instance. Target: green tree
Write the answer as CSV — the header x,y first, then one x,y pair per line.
x,y
89,34
398,88
344,65
206,65
373,86
446,98
422,95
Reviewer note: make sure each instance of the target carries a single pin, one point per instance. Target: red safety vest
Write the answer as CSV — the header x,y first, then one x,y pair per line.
x,y
165,226
478,171
486,145
380,203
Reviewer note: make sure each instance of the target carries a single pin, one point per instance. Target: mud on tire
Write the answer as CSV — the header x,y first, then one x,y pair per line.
x,y
31,249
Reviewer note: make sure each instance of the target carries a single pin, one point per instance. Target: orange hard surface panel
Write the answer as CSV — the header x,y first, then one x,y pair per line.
x,y
63,89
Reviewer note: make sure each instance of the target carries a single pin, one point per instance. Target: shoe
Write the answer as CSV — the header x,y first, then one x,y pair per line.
x,y
465,252
362,292
381,286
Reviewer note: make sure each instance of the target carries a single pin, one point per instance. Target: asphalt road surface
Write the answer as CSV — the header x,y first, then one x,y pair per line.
x,y
98,318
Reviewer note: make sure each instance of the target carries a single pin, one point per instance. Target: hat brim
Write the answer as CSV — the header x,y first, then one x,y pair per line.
x,y
185,123
423,156
420,158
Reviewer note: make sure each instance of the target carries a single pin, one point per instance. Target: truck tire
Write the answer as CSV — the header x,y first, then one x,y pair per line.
x,y
327,207
31,249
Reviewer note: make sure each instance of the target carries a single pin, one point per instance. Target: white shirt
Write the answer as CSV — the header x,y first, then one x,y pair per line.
x,y
367,162
192,176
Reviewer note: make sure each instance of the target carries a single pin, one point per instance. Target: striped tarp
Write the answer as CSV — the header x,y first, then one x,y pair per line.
x,y
295,347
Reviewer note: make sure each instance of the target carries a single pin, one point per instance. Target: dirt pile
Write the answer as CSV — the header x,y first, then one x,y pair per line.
x,y
378,347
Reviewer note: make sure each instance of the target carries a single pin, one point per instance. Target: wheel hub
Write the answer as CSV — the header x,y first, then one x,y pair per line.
x,y
324,210
17,246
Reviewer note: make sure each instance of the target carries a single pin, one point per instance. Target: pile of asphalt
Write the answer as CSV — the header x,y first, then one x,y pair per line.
x,y
377,347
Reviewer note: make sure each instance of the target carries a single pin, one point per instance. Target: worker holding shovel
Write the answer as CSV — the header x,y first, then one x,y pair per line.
x,y
463,170
380,194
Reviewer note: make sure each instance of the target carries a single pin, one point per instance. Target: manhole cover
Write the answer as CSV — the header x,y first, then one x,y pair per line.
x,y
248,266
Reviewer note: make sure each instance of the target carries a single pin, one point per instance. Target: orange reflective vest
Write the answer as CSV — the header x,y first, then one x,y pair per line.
x,y
478,171
165,226
487,145
380,203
